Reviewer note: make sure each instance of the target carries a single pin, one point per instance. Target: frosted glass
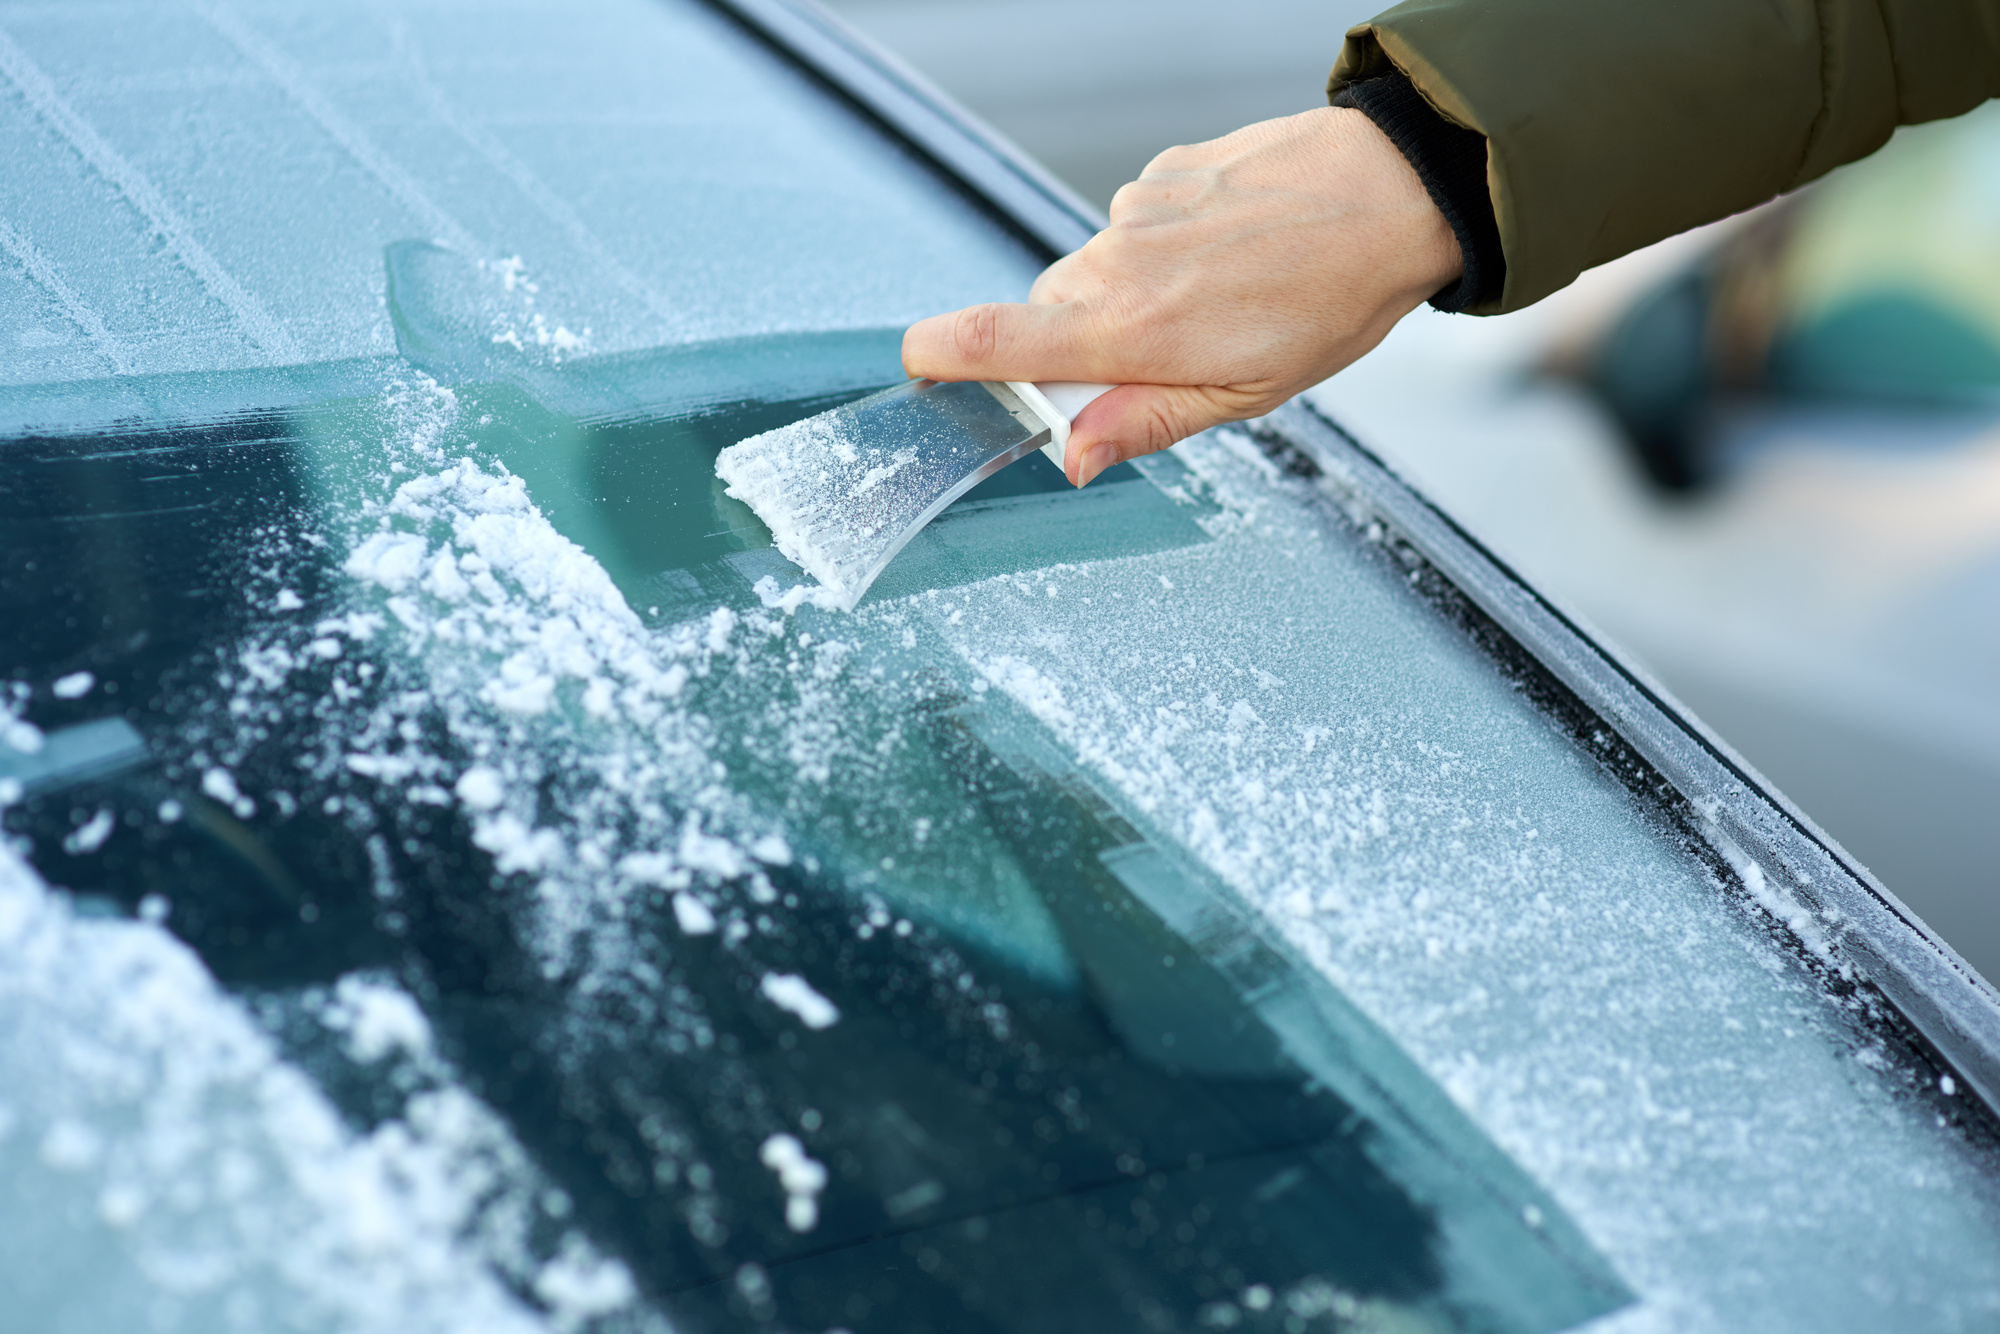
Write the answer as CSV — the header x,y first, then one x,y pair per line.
x,y
214,187
455,881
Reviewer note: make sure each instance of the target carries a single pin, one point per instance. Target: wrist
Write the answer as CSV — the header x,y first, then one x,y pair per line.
x,y
1450,161
1419,249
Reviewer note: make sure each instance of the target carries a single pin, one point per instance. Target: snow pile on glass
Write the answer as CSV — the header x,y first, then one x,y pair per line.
x,y
166,1168
658,801
457,881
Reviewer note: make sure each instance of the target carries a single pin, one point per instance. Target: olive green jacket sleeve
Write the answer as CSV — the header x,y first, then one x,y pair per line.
x,y
1613,123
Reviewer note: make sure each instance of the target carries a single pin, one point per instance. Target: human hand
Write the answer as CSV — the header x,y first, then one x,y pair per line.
x,y
1234,274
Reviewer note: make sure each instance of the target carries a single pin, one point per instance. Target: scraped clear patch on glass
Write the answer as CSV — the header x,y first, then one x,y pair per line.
x,y
909,993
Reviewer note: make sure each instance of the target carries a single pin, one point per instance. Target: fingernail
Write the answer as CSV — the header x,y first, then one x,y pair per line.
x,y
1095,460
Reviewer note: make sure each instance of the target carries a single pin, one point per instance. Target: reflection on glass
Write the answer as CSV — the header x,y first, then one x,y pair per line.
x,y
965,1051
464,890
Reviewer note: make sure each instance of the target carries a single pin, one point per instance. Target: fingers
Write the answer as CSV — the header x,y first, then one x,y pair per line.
x,y
1001,342
1140,419
1041,341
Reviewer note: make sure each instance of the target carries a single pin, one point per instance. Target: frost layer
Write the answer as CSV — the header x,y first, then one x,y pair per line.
x,y
184,1177
1271,700
1627,1028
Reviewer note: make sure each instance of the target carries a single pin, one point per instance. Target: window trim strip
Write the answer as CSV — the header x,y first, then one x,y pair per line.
x,y
1019,189
1953,1010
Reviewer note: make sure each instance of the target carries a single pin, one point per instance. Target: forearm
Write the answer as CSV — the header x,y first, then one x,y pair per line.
x,y
1613,123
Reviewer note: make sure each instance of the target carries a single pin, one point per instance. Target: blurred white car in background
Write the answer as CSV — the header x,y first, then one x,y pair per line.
x,y
1823,587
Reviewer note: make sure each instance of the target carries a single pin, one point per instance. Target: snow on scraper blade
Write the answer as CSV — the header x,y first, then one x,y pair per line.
x,y
844,491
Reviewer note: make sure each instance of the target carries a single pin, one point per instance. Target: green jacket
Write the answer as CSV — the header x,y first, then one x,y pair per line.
x,y
1610,124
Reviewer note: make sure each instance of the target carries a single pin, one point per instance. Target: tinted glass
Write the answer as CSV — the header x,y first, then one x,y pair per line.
x,y
457,885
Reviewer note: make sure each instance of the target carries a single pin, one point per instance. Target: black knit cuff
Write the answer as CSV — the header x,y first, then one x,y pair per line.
x,y
1451,162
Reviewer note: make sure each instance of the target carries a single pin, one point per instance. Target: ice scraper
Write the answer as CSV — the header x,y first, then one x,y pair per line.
x,y
843,491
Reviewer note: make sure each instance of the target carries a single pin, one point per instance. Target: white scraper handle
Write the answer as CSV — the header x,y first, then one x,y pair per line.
x,y
1057,403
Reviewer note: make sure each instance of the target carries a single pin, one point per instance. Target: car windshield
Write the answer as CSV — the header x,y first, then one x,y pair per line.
x,y
457,879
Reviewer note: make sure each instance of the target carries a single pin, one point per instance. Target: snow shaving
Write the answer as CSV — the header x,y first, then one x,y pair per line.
x,y
508,682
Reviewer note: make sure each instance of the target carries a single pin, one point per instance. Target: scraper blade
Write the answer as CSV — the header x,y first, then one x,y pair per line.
x,y
844,491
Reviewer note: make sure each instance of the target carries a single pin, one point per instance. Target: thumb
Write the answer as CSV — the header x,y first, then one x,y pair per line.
x,y
1138,419
998,341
